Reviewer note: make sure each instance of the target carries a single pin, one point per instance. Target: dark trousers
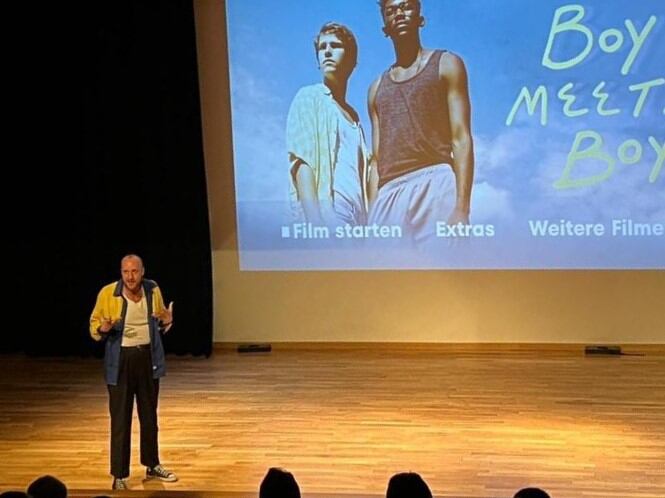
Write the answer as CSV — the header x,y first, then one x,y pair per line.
x,y
134,380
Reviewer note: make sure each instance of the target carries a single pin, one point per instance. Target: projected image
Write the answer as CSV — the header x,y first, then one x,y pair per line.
x,y
448,135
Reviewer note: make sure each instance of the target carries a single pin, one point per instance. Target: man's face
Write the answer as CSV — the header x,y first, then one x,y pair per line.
x,y
332,55
400,16
131,270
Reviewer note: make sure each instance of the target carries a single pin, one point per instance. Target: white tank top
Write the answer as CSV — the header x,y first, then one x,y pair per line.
x,y
136,330
347,169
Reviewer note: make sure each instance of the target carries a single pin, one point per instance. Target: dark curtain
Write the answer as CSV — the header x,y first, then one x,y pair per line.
x,y
114,165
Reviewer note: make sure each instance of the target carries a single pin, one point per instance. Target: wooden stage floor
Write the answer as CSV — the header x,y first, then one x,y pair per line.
x,y
476,425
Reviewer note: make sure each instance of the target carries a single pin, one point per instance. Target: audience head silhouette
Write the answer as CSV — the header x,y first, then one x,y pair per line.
x,y
47,487
278,483
14,494
407,485
531,493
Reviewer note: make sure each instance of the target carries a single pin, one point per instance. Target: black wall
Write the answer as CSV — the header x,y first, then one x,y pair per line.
x,y
113,164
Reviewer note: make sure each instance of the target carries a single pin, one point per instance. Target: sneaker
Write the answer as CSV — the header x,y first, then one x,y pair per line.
x,y
119,483
159,472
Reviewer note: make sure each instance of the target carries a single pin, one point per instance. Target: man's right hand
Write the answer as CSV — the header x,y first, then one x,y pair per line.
x,y
106,326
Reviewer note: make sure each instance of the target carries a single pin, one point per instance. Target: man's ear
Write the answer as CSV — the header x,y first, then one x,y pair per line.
x,y
422,21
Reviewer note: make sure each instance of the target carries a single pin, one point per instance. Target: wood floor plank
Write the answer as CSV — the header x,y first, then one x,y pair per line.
x,y
344,421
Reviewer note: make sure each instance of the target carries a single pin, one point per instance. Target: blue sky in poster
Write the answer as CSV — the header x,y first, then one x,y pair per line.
x,y
502,43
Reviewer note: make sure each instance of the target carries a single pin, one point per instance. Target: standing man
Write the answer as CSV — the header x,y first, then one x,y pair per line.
x,y
325,142
421,171
130,316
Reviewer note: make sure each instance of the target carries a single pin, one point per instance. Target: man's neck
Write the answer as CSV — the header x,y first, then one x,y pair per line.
x,y
407,50
337,88
135,296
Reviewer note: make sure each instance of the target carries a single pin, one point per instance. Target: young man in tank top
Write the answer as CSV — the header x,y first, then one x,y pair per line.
x,y
325,142
422,164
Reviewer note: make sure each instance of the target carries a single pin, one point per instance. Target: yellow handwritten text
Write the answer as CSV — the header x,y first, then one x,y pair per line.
x,y
540,96
629,152
609,41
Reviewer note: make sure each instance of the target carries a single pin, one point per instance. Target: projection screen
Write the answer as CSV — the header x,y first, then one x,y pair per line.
x,y
517,135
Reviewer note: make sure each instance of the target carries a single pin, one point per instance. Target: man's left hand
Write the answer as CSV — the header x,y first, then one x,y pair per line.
x,y
166,315
458,216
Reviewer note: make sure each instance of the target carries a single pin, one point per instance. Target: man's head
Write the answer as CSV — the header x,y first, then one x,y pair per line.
x,y
401,16
47,487
531,493
279,483
336,49
407,485
131,270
